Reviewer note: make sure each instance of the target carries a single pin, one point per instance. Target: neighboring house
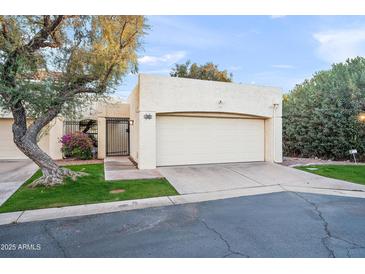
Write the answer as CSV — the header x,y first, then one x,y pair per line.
x,y
8,149
49,139
178,121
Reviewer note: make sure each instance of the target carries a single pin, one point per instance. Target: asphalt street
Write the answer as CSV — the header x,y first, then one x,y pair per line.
x,y
283,224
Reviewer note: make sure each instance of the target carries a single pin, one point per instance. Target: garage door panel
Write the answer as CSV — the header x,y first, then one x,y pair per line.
x,y
193,140
8,149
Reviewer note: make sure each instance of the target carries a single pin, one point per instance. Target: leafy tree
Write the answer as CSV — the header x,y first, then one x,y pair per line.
x,y
209,71
51,65
321,115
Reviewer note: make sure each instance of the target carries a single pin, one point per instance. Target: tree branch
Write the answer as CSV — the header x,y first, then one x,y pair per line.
x,y
122,31
52,113
81,90
83,80
50,44
38,41
126,43
46,21
41,122
5,30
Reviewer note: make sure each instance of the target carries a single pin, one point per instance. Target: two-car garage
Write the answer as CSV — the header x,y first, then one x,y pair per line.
x,y
184,140
178,121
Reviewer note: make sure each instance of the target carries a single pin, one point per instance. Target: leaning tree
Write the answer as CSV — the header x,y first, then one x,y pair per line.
x,y
50,65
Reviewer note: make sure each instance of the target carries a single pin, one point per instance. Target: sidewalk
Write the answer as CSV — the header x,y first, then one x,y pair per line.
x,y
12,175
92,209
121,168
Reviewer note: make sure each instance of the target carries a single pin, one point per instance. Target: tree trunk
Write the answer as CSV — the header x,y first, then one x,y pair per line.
x,y
52,173
25,137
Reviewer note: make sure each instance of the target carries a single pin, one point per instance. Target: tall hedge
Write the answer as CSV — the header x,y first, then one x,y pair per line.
x,y
320,116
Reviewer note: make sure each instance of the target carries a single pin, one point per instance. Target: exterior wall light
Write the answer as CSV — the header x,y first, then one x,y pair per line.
x,y
361,117
131,122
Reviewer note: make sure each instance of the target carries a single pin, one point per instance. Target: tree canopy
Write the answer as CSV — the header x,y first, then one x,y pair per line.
x,y
321,116
208,71
80,55
51,64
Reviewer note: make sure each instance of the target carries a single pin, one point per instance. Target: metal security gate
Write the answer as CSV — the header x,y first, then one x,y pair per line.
x,y
117,136
90,127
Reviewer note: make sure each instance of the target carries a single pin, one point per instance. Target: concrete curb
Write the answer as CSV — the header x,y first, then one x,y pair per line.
x,y
224,194
11,217
326,191
92,209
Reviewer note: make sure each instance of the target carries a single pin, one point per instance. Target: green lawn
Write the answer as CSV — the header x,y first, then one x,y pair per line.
x,y
88,189
350,173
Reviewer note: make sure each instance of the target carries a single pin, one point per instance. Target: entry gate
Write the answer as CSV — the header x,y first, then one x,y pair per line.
x,y
117,136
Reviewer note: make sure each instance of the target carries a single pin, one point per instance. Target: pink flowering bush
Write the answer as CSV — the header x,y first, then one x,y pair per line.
x,y
77,145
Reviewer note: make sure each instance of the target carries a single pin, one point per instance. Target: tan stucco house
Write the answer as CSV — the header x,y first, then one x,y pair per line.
x,y
176,121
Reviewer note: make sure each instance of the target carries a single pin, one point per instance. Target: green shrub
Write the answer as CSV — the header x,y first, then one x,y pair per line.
x,y
320,116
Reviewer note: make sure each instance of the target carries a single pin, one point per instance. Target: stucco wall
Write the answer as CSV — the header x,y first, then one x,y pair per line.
x,y
8,150
114,110
133,100
171,94
101,137
102,112
54,136
157,95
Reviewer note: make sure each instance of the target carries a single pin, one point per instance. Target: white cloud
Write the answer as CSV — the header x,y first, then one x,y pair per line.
x,y
282,66
166,59
338,45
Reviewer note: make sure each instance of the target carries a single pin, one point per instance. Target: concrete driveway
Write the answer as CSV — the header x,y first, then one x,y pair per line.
x,y
13,173
218,177
285,224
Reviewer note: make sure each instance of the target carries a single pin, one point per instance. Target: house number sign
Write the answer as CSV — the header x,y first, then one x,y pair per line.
x,y
147,116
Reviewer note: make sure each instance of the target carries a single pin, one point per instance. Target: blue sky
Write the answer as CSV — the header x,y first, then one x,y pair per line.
x,y
277,51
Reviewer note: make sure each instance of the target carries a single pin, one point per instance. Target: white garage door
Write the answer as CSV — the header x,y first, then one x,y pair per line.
x,y
195,140
8,149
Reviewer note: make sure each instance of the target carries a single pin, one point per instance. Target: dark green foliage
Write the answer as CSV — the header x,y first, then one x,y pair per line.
x,y
320,116
208,71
